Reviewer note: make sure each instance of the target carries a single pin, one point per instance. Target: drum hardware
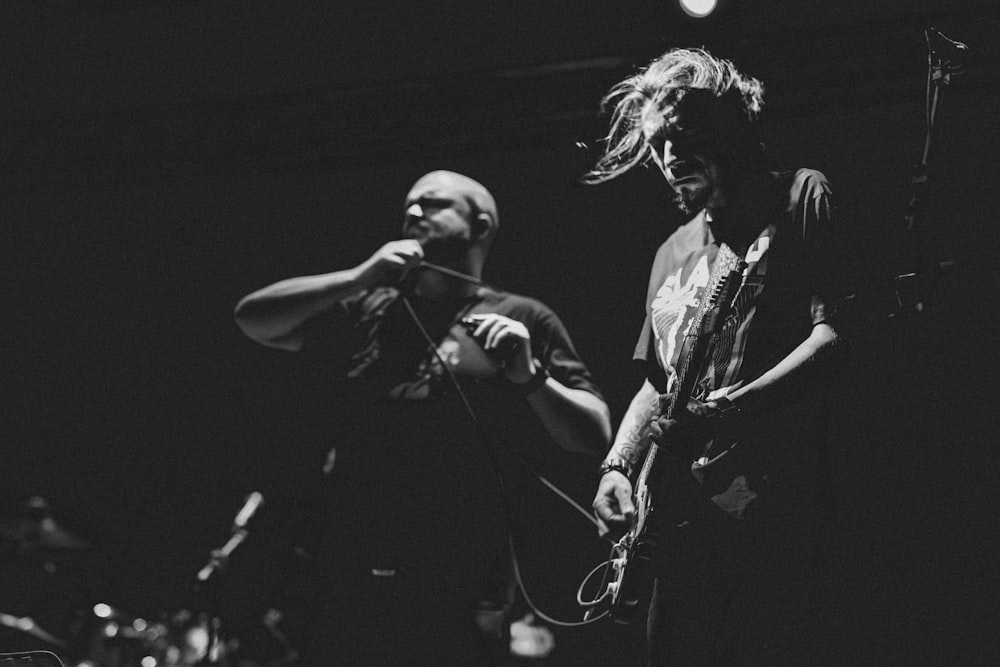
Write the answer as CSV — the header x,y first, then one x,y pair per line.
x,y
29,627
31,526
215,645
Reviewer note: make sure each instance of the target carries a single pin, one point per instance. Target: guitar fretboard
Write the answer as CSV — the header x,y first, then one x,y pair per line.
x,y
726,261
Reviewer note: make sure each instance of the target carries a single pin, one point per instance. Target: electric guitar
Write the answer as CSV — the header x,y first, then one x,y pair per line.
x,y
626,581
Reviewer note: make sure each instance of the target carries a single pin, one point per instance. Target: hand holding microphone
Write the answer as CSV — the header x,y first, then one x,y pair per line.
x,y
392,262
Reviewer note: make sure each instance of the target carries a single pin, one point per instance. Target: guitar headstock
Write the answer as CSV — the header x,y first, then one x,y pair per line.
x,y
725,291
721,300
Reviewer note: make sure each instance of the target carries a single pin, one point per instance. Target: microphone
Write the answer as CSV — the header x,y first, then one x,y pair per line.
x,y
450,272
945,50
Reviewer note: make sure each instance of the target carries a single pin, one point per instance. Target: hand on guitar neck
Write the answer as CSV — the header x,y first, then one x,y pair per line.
x,y
683,436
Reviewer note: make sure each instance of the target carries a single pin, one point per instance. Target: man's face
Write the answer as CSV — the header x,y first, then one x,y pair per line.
x,y
691,152
439,216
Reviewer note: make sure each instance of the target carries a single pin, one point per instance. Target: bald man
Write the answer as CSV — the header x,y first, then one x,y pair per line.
x,y
418,491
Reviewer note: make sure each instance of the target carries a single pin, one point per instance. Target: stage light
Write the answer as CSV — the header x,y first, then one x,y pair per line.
x,y
698,8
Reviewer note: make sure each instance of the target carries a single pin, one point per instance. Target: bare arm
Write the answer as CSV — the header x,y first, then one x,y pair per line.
x,y
274,315
810,362
613,501
798,374
815,357
577,420
632,439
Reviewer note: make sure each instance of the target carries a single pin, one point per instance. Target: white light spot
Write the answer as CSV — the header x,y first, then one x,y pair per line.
x,y
698,8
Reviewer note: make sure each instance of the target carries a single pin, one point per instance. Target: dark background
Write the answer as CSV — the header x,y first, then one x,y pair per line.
x,y
160,160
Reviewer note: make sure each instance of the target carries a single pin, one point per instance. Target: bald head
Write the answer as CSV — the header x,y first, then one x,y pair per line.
x,y
475,194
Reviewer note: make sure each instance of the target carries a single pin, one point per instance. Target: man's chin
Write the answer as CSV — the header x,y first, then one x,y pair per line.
x,y
415,234
444,251
690,202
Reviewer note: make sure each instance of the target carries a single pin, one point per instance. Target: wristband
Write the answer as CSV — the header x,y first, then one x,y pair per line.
x,y
725,408
617,464
536,381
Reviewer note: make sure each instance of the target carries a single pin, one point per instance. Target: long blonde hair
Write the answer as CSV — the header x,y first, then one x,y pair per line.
x,y
663,83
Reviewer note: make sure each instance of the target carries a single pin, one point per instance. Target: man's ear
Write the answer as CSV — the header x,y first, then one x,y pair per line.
x,y
483,226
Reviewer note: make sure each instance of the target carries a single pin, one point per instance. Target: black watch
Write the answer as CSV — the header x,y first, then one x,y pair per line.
x,y
536,381
725,408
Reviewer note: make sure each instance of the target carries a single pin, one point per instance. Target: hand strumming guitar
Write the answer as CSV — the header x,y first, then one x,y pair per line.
x,y
683,436
613,506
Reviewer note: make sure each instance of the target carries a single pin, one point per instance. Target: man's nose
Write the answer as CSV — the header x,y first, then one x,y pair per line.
x,y
414,211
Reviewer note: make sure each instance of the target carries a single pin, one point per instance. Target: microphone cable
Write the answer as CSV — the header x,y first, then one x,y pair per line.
x,y
490,449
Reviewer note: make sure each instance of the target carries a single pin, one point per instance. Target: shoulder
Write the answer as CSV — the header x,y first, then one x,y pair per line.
x,y
685,240
809,205
512,304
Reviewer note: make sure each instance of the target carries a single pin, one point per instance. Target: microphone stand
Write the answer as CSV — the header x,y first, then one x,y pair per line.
x,y
944,60
217,563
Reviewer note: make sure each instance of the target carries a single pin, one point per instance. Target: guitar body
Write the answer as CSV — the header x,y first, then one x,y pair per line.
x,y
631,555
665,492
629,576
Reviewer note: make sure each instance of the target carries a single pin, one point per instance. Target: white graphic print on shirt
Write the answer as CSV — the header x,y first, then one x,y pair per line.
x,y
672,310
676,303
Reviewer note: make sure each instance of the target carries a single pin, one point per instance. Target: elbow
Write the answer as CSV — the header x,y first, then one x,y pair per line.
x,y
246,323
832,350
243,316
257,330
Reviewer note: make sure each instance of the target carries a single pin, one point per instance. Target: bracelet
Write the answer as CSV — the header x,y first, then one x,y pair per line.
x,y
616,464
536,381
725,408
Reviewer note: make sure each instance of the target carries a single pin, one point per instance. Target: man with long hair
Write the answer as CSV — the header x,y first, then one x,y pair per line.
x,y
736,481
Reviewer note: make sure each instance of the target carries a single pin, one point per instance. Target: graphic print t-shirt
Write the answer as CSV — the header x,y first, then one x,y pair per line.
x,y
796,256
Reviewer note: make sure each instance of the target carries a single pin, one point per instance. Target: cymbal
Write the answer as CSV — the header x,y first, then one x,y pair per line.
x,y
31,526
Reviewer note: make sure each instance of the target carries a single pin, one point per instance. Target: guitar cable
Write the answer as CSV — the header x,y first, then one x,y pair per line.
x,y
490,450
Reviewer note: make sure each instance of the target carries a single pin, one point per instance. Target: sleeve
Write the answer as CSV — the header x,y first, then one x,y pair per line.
x,y
555,350
321,331
830,264
338,332
645,350
645,353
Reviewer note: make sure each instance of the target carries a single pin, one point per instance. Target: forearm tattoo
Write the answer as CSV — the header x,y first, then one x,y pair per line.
x,y
633,438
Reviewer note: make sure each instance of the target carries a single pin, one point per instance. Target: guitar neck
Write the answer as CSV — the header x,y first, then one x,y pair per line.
x,y
713,308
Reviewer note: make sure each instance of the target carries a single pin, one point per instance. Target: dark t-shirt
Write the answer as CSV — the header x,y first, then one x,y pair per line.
x,y
799,254
422,476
